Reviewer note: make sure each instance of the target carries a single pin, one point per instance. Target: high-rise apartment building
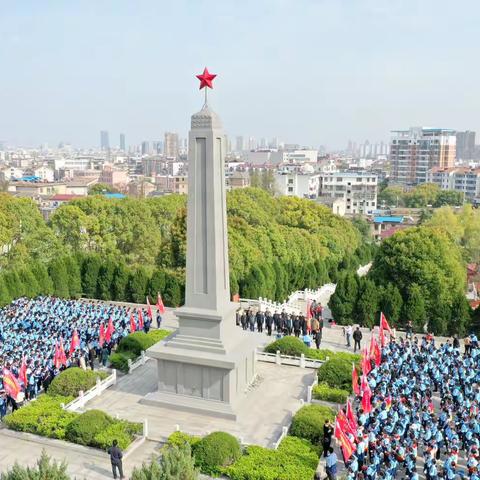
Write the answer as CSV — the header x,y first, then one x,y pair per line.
x,y
170,147
104,140
145,148
415,151
122,142
465,145
240,145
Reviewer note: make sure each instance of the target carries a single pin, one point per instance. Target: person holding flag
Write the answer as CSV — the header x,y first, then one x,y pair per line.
x,y
75,343
140,319
160,310
133,326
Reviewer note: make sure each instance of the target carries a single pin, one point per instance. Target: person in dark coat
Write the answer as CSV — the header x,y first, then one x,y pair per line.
x,y
268,322
357,337
91,357
243,320
116,459
303,324
318,338
251,320
260,318
327,436
296,326
276,321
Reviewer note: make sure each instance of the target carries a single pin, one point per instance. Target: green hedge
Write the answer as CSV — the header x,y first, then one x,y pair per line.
x,y
72,380
337,373
288,346
180,438
308,422
43,416
215,451
295,459
329,394
139,341
119,360
94,428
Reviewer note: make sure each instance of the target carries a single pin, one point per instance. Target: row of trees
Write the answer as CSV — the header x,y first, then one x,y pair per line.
x,y
419,197
418,275
125,249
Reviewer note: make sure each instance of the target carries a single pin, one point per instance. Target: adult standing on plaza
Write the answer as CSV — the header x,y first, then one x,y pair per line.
x,y
348,334
357,337
116,459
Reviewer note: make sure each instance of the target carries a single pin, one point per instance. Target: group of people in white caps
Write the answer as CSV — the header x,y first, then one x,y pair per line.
x,y
415,412
42,336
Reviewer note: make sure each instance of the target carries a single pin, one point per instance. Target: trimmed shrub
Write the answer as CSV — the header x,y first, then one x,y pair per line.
x,y
308,422
121,431
337,373
43,416
72,380
45,469
215,451
119,360
349,357
138,341
288,346
295,459
321,354
329,394
180,438
85,427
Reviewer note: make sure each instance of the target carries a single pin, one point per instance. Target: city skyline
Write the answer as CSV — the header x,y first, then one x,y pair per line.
x,y
354,70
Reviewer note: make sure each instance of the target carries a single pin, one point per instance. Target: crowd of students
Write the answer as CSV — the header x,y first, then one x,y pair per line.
x,y
36,339
422,414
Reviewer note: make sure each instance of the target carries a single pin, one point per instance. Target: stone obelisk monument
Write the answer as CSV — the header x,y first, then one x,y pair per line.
x,y
208,362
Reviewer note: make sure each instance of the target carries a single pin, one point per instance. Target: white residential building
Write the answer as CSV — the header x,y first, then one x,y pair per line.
x,y
460,179
297,184
359,190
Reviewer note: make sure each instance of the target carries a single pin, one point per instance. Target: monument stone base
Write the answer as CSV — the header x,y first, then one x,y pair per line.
x,y
201,380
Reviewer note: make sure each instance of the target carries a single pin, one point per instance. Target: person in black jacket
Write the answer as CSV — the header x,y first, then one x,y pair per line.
x,y
116,459
327,436
260,318
268,322
357,336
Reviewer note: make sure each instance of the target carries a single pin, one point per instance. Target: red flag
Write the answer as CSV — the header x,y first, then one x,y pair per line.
x,y
149,310
364,382
384,323
355,386
351,418
365,363
133,327
10,384
140,319
344,423
160,306
22,374
347,446
367,399
110,330
375,353
101,335
309,310
74,343
381,336
55,356
62,358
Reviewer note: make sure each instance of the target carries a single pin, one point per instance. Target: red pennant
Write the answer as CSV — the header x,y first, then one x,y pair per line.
x,y
160,306
74,343
140,319
22,374
133,327
110,330
149,310
10,383
347,446
355,386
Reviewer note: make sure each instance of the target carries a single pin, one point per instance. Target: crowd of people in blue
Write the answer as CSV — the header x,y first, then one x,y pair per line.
x,y
30,330
426,413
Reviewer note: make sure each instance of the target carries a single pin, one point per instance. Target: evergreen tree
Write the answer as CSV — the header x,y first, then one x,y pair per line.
x,y
461,316
90,269
234,289
414,308
46,469
5,297
322,275
156,284
13,284
45,284
137,285
391,303
30,284
253,285
173,293
74,277
120,280
105,280
367,303
59,275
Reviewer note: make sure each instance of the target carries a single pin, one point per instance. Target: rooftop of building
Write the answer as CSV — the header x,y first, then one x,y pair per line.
x,y
114,195
64,197
390,219
455,170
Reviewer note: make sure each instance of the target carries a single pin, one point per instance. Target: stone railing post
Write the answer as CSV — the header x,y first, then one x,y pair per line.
x,y
278,360
80,397
309,393
114,373
302,360
129,363
143,357
99,386
145,428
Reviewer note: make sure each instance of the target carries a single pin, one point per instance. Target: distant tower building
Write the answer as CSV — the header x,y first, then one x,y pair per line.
x,y
465,145
122,142
157,147
170,147
145,148
104,140
252,143
415,151
274,143
240,145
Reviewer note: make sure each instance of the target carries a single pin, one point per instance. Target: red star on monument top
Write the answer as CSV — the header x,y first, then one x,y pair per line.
x,y
206,79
